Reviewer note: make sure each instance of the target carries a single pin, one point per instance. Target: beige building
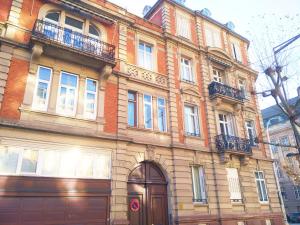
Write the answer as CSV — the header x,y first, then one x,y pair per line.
x,y
109,118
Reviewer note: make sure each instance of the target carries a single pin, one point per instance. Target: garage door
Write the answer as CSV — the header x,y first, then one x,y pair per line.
x,y
45,201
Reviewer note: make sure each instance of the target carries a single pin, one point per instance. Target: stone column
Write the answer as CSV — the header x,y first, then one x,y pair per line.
x,y
31,85
5,60
54,91
140,110
154,113
81,97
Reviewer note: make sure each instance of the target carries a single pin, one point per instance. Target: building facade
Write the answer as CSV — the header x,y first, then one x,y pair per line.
x,y
280,132
109,118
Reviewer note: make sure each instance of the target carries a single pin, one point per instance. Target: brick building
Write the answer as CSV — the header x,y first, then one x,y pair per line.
x,y
109,118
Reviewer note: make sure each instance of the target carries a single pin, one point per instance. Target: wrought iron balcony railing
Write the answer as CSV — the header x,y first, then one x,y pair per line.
x,y
222,89
75,40
233,144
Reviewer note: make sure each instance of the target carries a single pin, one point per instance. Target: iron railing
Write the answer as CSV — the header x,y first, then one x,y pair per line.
x,y
222,89
75,40
231,143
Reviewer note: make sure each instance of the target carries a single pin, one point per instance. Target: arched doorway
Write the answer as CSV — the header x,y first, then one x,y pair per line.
x,y
147,196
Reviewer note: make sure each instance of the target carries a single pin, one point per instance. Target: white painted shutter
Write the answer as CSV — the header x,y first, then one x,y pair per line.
x,y
202,183
238,52
233,183
209,37
217,39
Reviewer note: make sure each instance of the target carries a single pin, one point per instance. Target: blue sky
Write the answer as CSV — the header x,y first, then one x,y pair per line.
x,y
264,22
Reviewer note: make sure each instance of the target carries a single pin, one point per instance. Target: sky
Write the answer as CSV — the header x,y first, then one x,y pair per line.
x,y
266,23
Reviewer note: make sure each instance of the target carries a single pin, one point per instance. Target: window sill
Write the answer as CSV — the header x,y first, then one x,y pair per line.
x,y
240,203
148,130
200,204
264,203
189,82
192,136
58,115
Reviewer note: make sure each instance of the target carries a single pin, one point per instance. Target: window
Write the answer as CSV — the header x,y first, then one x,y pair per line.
x,y
213,38
132,109
234,185
191,120
283,193
51,23
261,186
242,87
41,96
162,120
90,106
73,32
268,222
297,191
236,51
54,163
148,111
274,147
251,131
218,76
198,180
226,124
186,70
95,37
67,97
284,141
183,26
145,56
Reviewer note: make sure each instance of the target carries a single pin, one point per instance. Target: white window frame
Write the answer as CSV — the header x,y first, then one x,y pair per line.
x,y
184,67
151,105
243,87
252,128
213,37
183,26
58,110
74,29
228,123
40,160
165,114
236,51
218,76
258,188
202,184
194,117
35,105
86,92
234,185
143,54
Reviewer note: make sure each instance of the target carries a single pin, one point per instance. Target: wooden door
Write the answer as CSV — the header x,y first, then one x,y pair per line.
x,y
147,196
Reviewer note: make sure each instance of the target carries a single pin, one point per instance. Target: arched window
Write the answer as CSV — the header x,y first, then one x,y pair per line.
x,y
94,32
51,25
52,17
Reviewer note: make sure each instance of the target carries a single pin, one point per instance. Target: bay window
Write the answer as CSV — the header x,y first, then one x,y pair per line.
x,y
42,90
191,119
67,96
148,118
90,106
161,114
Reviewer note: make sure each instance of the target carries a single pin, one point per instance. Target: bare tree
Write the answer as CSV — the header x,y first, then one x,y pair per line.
x,y
275,54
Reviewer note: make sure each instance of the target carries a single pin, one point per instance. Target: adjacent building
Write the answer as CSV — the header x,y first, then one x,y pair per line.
x,y
280,132
109,118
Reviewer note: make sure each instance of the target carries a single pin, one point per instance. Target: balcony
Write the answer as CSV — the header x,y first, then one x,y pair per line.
x,y
61,42
232,144
226,93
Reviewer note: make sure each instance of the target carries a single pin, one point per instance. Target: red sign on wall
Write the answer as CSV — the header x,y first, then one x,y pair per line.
x,y
134,205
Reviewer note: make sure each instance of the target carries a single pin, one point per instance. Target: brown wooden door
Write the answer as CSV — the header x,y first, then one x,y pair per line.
x,y
147,196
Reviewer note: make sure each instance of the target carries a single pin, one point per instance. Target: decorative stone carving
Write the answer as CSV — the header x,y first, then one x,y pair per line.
x,y
224,157
150,152
146,75
245,160
37,51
